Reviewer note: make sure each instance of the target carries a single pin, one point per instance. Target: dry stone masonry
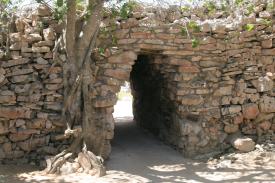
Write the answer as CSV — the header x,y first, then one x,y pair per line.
x,y
197,86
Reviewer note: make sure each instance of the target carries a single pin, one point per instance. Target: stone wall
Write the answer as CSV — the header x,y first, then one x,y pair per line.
x,y
211,82
30,91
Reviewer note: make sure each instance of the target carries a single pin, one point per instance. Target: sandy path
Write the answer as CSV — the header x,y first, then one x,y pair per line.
x,y
139,157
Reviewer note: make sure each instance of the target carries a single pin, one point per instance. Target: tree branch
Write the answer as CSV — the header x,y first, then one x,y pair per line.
x,y
70,30
89,29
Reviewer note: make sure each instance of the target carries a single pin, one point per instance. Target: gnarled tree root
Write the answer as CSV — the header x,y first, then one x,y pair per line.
x,y
73,160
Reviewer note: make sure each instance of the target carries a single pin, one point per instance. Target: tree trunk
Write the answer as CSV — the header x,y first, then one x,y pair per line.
x,y
79,76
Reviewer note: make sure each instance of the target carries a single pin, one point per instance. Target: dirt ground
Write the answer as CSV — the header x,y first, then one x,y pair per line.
x,y
137,157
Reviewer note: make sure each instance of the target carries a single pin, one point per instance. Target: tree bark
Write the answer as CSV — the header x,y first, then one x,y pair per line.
x,y
80,75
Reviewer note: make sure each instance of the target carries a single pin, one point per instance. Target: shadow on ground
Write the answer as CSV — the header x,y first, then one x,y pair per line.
x,y
139,157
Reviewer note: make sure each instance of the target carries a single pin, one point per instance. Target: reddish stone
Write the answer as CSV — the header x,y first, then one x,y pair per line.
x,y
231,128
14,113
142,35
190,69
238,119
118,73
250,111
15,137
265,125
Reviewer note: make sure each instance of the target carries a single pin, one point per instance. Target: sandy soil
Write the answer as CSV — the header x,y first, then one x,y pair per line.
x,y
139,157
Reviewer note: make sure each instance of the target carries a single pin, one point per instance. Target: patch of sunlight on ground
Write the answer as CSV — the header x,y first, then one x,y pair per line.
x,y
168,168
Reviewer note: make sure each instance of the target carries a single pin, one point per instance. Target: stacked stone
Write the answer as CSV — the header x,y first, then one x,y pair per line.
x,y
220,88
30,90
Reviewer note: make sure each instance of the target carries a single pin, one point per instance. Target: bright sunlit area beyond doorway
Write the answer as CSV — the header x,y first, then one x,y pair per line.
x,y
123,107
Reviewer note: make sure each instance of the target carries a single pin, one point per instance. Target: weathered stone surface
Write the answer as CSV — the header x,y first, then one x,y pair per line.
x,y
11,63
225,90
43,11
118,73
214,78
250,111
49,34
31,144
243,144
105,101
8,99
231,128
125,57
265,125
267,104
15,112
192,100
4,128
15,137
270,52
263,84
42,49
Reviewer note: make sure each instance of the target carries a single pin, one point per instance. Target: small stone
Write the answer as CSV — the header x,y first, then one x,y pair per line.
x,y
192,100
267,43
2,154
117,73
238,119
41,61
231,128
43,10
267,104
265,125
4,128
15,137
19,122
125,57
263,84
243,144
15,112
7,147
49,34
250,111
265,14
225,90
42,49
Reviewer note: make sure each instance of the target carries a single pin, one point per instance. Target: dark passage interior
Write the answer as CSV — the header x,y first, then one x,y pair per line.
x,y
150,107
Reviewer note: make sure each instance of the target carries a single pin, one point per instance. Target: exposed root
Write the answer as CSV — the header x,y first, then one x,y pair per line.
x,y
73,160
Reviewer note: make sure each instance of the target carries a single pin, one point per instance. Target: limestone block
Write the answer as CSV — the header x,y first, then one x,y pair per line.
x,y
15,112
43,10
267,43
265,125
225,90
231,128
49,34
250,111
42,49
11,63
191,100
263,84
117,73
243,144
15,137
15,37
126,57
4,128
267,104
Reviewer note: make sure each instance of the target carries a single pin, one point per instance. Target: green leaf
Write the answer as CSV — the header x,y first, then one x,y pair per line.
x,y
249,27
101,51
194,26
239,2
195,42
